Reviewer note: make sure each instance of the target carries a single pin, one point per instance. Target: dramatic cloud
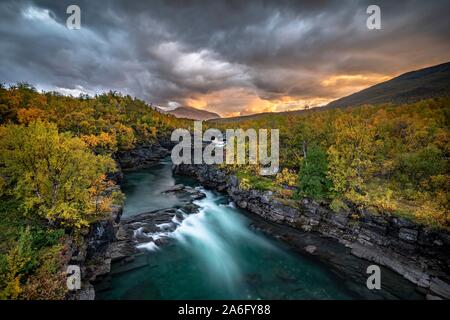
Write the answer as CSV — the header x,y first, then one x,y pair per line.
x,y
230,57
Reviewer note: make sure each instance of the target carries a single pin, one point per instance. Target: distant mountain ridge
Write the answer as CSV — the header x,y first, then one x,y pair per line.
x,y
409,87
193,114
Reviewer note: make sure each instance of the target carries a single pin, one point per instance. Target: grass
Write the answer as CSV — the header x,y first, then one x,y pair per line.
x,y
256,181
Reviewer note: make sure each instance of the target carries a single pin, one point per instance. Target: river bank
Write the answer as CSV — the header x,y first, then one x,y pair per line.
x,y
344,244
420,254
94,253
206,248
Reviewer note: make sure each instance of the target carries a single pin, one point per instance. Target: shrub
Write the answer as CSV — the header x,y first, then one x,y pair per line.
x,y
313,181
52,173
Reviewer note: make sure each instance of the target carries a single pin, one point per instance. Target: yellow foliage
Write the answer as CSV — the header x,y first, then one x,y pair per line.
x,y
125,136
53,172
287,177
244,184
430,213
104,143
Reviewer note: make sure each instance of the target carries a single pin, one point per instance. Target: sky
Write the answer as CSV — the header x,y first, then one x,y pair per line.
x,y
229,57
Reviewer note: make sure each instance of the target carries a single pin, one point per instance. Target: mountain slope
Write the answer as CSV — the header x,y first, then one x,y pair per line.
x,y
409,87
192,113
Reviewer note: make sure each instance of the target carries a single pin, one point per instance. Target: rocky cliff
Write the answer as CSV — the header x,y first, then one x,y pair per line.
x,y
96,251
418,253
93,253
141,157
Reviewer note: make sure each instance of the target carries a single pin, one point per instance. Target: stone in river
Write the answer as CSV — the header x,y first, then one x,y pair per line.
x,y
311,249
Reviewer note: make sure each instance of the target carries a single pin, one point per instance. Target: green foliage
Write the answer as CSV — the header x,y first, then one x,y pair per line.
x,y
49,279
46,238
418,165
55,153
350,157
110,121
36,254
12,220
313,181
20,261
125,136
51,173
248,179
337,205
391,157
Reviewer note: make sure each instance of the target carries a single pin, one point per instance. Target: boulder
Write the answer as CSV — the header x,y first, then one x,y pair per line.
x,y
311,249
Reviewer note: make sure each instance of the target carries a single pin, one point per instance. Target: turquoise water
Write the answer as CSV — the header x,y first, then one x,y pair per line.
x,y
214,254
143,189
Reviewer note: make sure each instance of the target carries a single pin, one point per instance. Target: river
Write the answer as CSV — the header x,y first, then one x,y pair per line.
x,y
215,254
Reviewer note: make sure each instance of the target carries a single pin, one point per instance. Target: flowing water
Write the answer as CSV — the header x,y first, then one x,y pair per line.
x,y
143,189
214,254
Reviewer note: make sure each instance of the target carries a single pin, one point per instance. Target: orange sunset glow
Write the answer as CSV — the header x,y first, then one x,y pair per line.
x,y
228,58
249,102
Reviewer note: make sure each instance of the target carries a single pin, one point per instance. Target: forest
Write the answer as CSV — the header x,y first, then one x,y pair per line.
x,y
55,156
56,153
388,158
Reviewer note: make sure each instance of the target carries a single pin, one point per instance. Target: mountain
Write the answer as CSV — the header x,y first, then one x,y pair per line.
x,y
192,113
409,87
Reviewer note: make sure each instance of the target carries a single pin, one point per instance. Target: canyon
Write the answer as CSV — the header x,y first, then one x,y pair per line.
x,y
346,242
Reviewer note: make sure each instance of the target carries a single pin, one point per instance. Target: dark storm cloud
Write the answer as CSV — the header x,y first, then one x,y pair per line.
x,y
179,50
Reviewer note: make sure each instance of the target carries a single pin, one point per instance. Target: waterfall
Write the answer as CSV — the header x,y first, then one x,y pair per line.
x,y
214,254
215,235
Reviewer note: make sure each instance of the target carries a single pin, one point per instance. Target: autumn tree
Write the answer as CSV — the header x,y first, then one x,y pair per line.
x,y
125,136
350,157
26,116
103,143
51,173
